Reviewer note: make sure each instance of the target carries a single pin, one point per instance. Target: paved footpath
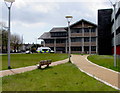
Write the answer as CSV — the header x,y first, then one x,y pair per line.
x,y
29,68
106,76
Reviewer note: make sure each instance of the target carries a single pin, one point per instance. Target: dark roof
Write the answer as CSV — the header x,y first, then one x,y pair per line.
x,y
45,35
83,20
58,29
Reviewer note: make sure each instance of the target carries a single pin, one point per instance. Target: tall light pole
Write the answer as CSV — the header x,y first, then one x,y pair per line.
x,y
9,8
69,18
115,59
114,30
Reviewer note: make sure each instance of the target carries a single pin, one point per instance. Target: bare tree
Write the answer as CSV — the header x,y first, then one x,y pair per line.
x,y
3,37
16,42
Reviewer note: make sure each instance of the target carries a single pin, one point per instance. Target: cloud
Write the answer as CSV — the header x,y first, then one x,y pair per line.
x,y
39,16
29,11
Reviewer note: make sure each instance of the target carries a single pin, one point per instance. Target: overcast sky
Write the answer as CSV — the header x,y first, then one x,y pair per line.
x,y
31,18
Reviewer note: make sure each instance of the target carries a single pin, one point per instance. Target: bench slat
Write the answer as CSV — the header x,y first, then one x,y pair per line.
x,y
44,62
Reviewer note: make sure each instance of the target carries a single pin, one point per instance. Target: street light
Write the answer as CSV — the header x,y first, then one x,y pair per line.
x,y
9,8
115,59
114,30
69,18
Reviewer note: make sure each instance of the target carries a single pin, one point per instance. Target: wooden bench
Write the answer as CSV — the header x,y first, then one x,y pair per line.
x,y
44,62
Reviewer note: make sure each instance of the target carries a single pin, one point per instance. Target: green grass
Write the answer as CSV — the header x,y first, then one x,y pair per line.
x,y
64,77
105,61
22,60
0,84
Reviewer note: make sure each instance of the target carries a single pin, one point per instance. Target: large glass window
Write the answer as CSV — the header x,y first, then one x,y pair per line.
x,y
86,48
93,39
93,30
86,39
76,48
76,30
93,48
86,30
76,39
59,34
60,41
49,41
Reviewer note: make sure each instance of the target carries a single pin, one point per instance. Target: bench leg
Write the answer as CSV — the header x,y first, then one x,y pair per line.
x,y
47,65
39,67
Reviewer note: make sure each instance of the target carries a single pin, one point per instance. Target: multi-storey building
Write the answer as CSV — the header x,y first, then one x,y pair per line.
x,y
117,20
106,30
83,38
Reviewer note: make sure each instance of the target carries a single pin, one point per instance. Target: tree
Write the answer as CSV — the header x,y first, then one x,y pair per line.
x,y
4,40
16,42
3,37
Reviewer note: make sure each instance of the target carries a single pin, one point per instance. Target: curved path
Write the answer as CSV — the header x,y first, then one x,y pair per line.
x,y
104,75
29,68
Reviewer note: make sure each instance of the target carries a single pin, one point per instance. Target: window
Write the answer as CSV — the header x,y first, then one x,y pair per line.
x,y
59,34
93,39
76,48
86,30
93,48
76,30
77,39
49,41
93,30
86,39
86,48
60,41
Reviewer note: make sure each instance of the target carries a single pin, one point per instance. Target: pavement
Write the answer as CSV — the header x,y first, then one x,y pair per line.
x,y
102,74
29,68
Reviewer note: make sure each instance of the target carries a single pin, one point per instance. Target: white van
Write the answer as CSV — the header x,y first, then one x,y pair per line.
x,y
44,50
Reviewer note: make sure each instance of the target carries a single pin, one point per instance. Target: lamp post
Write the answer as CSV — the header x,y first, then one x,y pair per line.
x,y
69,18
9,8
114,30
115,59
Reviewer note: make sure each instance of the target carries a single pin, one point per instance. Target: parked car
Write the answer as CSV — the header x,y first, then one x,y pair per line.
x,y
44,50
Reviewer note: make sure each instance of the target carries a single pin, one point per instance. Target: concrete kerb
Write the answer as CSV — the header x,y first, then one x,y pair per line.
x,y
101,66
97,78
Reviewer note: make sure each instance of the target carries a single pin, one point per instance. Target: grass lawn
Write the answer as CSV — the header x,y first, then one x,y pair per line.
x,y
22,60
105,61
64,77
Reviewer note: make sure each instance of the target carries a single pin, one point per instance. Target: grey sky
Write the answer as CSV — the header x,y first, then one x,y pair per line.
x,y
32,19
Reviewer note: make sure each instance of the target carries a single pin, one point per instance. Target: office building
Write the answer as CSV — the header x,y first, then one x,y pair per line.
x,y
83,38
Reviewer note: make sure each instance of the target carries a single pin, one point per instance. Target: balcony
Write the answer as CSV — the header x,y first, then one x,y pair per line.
x,y
76,43
93,43
93,34
49,45
57,45
86,34
76,34
88,44
60,44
